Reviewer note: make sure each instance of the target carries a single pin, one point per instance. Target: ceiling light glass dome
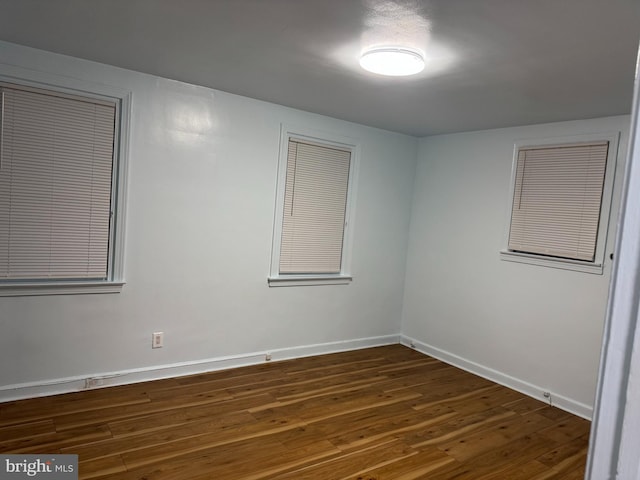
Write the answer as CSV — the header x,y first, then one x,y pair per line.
x,y
392,61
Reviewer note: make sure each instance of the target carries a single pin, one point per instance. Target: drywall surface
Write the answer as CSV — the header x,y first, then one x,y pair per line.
x,y
200,213
536,328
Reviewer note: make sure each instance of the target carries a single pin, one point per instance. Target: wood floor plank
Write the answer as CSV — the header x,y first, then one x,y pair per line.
x,y
354,463
556,414
488,398
201,442
348,422
108,413
373,414
569,468
180,415
214,387
147,439
517,452
317,408
26,430
459,426
55,441
108,466
325,386
495,436
18,412
569,429
395,426
239,461
301,384
562,452
491,464
525,471
240,373
526,405
414,467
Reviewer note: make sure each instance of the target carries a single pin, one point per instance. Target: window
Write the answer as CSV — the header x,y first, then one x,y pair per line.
x,y
313,205
560,203
58,184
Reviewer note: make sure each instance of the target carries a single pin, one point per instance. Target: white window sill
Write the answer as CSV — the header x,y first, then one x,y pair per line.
x,y
551,262
304,280
58,288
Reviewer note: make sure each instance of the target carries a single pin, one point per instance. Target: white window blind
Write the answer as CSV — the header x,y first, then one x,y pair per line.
x,y
557,200
315,201
55,186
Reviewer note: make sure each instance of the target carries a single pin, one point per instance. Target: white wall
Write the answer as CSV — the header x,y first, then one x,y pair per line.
x,y
534,328
202,181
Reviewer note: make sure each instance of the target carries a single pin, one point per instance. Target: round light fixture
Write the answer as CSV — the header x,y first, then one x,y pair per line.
x,y
392,61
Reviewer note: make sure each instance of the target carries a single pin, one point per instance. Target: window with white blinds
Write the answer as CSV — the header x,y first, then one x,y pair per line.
x,y
315,201
557,200
56,173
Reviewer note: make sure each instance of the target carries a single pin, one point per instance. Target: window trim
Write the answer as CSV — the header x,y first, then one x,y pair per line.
x,y
597,266
122,99
319,137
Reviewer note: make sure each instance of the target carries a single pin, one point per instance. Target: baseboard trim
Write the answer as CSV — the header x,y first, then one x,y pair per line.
x,y
108,379
534,391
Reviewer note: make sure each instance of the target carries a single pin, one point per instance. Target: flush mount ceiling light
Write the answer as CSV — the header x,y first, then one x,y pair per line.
x,y
392,61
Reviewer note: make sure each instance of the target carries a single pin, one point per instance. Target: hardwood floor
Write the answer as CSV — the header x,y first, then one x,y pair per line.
x,y
375,414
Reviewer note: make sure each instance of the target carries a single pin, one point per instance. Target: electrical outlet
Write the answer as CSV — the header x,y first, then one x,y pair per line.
x,y
157,340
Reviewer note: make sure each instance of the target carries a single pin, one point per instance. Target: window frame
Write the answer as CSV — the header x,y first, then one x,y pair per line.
x,y
597,265
319,137
122,99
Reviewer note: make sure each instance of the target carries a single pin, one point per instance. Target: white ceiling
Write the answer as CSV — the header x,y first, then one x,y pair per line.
x,y
491,63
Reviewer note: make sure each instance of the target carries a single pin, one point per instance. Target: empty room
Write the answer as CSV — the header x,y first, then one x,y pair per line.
x,y
318,239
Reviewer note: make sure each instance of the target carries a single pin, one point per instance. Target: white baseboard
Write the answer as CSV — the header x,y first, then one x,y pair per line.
x,y
535,391
106,379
